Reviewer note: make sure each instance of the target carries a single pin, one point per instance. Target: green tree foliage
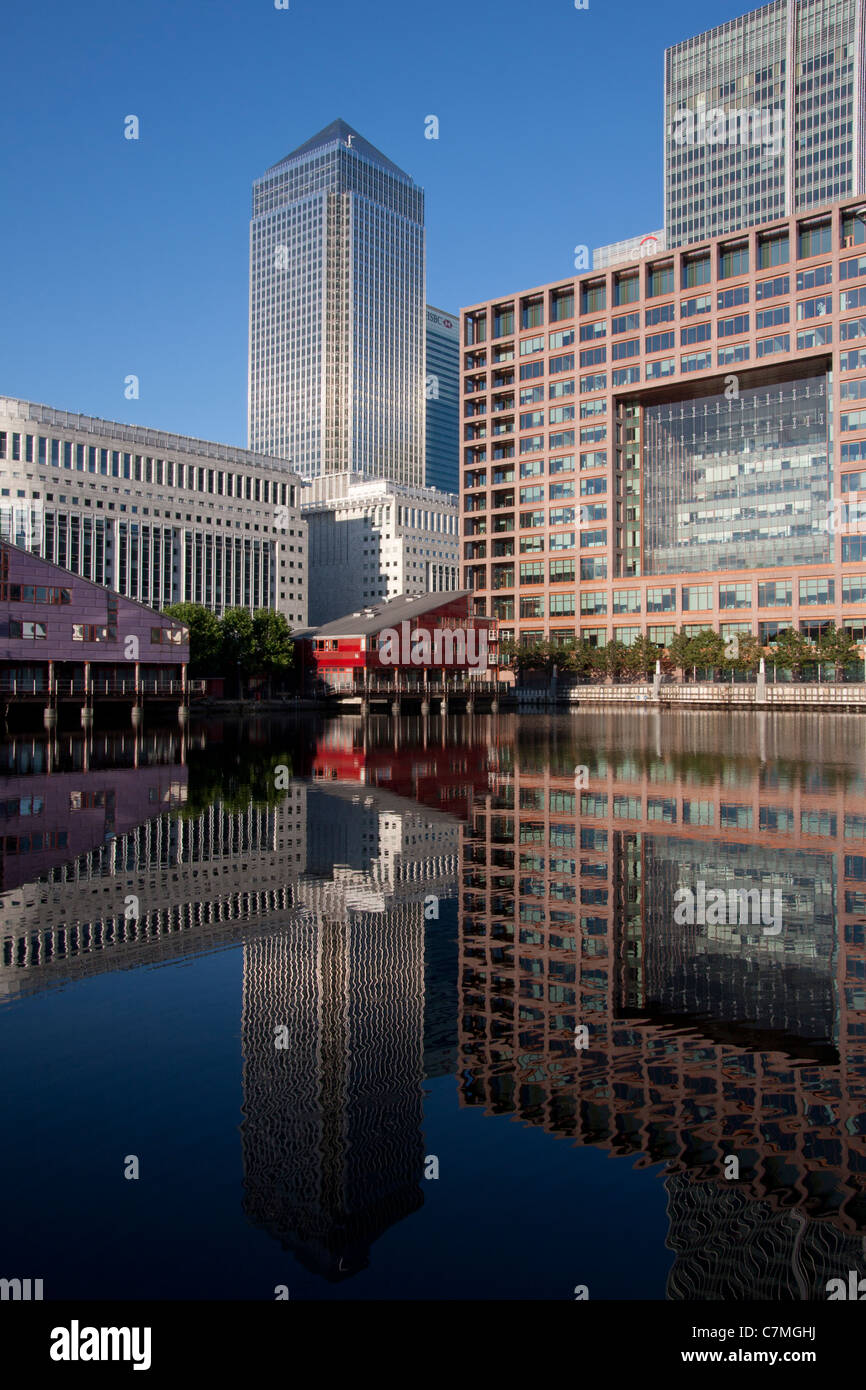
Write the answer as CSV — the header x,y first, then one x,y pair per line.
x,y
238,645
205,639
838,649
273,649
793,651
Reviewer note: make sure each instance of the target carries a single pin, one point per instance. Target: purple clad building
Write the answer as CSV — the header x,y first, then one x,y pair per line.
x,y
64,639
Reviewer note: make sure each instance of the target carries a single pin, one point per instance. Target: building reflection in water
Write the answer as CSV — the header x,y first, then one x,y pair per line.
x,y
703,1041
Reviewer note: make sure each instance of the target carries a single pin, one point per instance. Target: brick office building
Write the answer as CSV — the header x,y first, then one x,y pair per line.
x,y
677,442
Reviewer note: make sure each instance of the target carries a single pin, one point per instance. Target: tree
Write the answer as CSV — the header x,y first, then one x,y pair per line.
x,y
272,648
679,651
614,659
642,657
707,649
205,637
837,648
237,636
749,653
792,651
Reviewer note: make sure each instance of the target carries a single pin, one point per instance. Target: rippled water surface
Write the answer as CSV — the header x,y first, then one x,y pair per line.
x,y
419,1009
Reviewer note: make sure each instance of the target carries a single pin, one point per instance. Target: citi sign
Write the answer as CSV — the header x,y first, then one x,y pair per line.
x,y
444,646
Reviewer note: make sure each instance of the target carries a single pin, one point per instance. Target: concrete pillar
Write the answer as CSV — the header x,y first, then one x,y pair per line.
x,y
137,714
49,717
86,716
761,684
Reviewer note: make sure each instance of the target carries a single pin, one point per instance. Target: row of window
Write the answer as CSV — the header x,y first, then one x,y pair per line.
x,y
111,463
92,632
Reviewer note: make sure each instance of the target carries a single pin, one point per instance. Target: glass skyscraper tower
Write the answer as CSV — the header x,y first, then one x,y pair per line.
x,y
764,117
337,311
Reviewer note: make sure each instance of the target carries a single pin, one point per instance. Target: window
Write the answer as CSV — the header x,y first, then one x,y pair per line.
x,y
770,318
815,308
853,420
732,353
628,348
661,600
531,369
596,382
819,336
593,296
701,305
663,342
593,540
852,299
596,459
561,571
503,320
735,596
625,376
625,323
660,279
562,465
696,597
696,362
854,588
696,270
561,305
817,592
733,259
767,346
769,289
530,345
27,629
849,270
729,299
734,327
532,571
814,238
773,249
626,287
564,337
531,314
589,357
664,366
660,313
775,593
626,601
593,604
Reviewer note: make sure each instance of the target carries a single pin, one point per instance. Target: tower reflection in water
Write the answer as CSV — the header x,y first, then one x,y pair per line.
x,y
703,1041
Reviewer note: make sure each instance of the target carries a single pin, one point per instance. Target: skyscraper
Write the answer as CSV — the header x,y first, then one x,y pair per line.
x,y
442,398
764,117
336,371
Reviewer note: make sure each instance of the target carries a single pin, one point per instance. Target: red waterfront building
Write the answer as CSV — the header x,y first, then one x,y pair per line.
x,y
423,637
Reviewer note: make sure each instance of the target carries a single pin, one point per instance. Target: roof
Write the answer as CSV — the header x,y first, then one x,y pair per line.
x,y
396,610
340,132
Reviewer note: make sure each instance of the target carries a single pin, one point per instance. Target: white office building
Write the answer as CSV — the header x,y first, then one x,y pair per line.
x,y
372,540
160,518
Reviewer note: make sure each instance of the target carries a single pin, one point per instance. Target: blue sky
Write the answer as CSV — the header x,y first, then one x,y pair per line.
x,y
125,256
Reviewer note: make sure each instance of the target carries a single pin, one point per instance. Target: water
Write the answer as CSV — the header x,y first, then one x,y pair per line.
x,y
325,983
